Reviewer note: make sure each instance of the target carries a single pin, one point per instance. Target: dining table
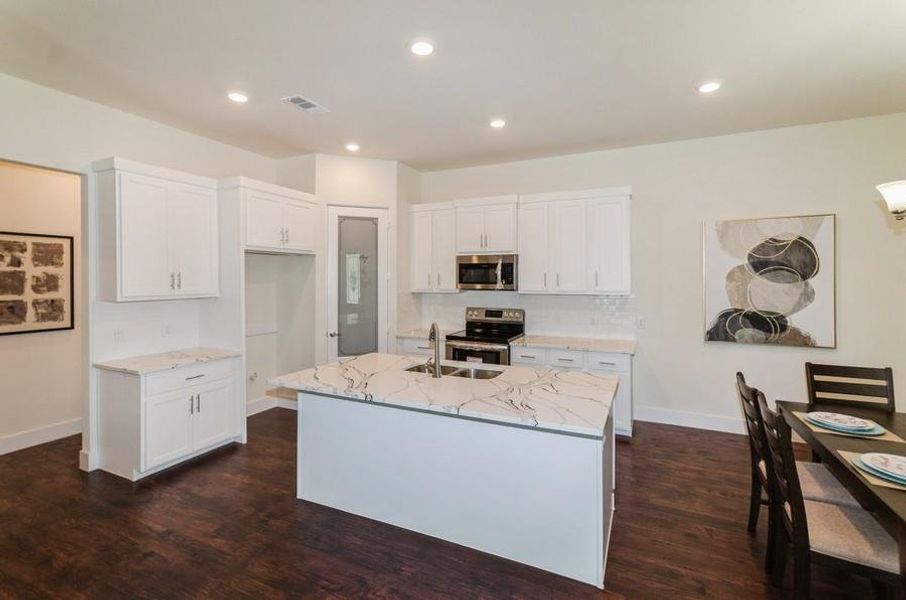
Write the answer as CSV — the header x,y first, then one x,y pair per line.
x,y
887,505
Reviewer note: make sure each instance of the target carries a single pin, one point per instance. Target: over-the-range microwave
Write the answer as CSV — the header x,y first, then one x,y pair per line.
x,y
486,272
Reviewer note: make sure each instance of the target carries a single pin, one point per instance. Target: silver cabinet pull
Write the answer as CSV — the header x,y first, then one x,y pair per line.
x,y
527,356
609,364
191,405
425,347
438,280
194,377
172,281
179,280
287,235
596,279
565,360
198,401
545,280
558,279
429,279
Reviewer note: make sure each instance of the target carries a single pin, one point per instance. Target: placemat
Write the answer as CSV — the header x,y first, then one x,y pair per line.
x,y
887,436
850,456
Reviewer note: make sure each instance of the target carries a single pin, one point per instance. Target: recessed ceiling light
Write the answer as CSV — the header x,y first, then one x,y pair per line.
x,y
238,97
422,48
708,87
497,123
352,147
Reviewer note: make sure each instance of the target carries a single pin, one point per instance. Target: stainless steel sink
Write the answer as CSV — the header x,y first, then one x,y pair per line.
x,y
444,370
475,373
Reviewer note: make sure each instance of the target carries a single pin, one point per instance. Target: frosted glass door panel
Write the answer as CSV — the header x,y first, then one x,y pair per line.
x,y
358,286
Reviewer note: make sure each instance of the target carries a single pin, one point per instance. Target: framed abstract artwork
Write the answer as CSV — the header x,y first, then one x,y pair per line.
x,y
771,281
36,283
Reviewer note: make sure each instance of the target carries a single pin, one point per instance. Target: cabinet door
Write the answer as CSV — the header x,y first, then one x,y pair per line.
x,y
569,245
193,240
444,250
534,251
610,261
144,269
421,239
167,428
214,413
263,221
299,221
500,229
470,230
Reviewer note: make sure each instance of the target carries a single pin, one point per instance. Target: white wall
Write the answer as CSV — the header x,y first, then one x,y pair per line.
x,y
49,128
830,167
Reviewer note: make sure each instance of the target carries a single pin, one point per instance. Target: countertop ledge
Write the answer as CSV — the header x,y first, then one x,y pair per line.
x,y
165,361
574,402
421,333
616,345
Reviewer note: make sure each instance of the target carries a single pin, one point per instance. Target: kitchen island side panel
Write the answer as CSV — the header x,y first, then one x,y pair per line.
x,y
532,496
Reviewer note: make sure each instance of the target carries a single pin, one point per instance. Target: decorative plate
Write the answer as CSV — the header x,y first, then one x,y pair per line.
x,y
873,432
848,422
891,464
879,474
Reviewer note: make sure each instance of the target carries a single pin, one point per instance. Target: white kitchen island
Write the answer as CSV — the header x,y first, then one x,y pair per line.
x,y
520,466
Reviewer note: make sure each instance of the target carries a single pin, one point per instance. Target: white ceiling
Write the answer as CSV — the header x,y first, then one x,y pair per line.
x,y
568,75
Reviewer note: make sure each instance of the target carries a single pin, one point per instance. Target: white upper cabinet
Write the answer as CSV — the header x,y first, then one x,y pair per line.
x,y
432,237
276,219
157,232
575,242
486,225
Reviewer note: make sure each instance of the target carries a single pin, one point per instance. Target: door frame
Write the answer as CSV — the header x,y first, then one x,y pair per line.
x,y
383,218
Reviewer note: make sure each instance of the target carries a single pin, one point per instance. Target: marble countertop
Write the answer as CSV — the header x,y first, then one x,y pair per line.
x,y
618,345
165,361
569,401
421,333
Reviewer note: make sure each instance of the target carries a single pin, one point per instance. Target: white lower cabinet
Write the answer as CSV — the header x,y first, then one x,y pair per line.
x,y
150,422
596,362
415,347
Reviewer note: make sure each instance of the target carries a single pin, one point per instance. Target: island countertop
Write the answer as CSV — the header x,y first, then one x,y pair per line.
x,y
574,402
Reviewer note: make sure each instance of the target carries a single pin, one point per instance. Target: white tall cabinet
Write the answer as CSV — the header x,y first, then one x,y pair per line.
x,y
432,235
275,219
158,233
486,225
575,242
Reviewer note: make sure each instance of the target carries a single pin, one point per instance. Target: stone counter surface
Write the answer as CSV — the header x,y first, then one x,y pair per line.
x,y
616,345
165,361
574,402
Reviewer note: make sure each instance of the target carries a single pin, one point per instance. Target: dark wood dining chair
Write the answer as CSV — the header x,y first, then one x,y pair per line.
x,y
840,537
862,387
818,483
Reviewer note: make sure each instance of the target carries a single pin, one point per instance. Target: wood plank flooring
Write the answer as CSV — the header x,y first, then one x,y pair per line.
x,y
228,526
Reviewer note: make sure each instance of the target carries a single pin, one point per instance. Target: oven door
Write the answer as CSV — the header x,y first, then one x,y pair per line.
x,y
491,272
479,352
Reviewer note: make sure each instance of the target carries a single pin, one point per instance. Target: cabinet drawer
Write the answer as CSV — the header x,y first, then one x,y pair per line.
x,y
415,346
566,359
528,356
605,361
167,381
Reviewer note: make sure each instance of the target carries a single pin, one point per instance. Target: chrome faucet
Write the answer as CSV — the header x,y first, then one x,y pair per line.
x,y
434,336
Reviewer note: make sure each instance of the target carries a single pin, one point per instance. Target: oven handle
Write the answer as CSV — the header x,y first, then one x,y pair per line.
x,y
477,346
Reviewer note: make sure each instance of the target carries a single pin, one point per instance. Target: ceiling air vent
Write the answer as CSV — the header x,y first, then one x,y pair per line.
x,y
305,104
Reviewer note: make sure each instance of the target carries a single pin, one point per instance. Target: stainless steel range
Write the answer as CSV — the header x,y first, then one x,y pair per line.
x,y
487,336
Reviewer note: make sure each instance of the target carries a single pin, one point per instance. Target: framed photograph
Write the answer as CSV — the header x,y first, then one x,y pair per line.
x,y
771,281
36,283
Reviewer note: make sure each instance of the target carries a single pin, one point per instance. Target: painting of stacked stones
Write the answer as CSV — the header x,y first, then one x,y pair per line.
x,y
771,281
35,283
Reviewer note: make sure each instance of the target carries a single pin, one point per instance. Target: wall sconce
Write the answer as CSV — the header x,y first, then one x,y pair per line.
x,y
894,194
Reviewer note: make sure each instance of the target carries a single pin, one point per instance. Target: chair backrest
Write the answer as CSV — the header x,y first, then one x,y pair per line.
x,y
786,492
850,386
749,401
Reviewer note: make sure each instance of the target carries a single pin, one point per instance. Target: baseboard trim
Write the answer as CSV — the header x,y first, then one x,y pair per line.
x,y
688,419
287,403
39,435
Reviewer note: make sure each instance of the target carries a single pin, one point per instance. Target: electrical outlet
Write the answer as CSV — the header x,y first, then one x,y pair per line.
x,y
119,336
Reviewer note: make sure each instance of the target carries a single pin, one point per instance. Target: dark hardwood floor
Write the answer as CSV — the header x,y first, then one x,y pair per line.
x,y
228,526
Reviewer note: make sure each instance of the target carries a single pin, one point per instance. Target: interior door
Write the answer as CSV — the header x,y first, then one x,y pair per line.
x,y
610,225
298,219
357,272
263,221
444,250
500,228
569,234
145,268
214,418
192,216
534,247
421,228
168,428
470,229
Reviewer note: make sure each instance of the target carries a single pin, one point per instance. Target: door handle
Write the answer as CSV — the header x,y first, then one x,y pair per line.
x,y
333,334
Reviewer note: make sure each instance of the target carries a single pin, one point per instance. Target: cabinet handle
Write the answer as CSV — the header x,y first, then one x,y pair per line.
x,y
558,279
438,280
192,405
429,279
527,356
596,279
179,280
545,280
609,364
565,360
198,401
194,377
172,281
424,347
287,235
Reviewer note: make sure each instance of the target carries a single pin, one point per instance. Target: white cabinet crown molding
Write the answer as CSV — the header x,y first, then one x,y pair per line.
x,y
115,163
430,206
621,191
486,201
263,186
